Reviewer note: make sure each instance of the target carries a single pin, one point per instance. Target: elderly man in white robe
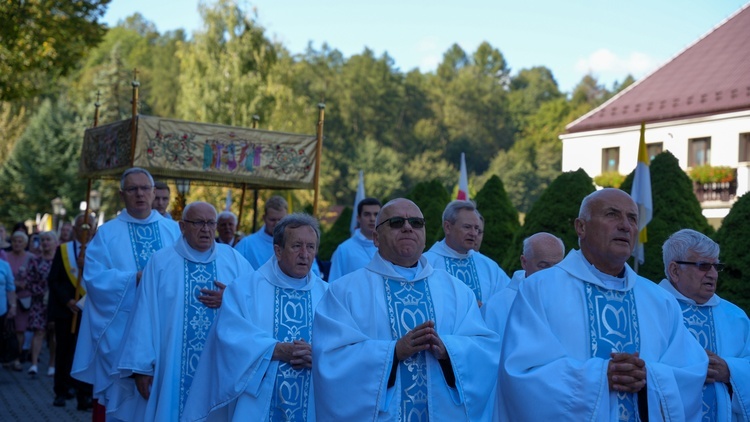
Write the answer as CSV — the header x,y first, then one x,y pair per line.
x,y
456,255
357,251
258,358
588,339
691,264
115,259
258,247
400,341
176,304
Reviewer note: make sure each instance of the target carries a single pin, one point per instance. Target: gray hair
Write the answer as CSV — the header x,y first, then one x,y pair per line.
x,y
451,210
135,170
276,203
684,241
50,234
294,221
227,214
21,234
190,206
528,243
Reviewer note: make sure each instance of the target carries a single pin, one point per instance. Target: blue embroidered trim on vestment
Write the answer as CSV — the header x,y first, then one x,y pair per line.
x,y
466,271
699,320
145,239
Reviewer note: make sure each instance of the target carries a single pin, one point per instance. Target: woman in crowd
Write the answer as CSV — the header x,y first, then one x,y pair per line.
x,y
19,260
37,284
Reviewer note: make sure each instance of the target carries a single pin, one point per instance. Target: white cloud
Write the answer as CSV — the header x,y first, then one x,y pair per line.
x,y
428,53
605,62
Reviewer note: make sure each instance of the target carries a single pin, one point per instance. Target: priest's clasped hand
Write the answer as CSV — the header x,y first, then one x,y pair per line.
x,y
718,370
422,337
297,353
626,372
212,298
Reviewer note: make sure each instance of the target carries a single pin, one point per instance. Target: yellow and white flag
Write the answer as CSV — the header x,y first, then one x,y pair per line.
x,y
641,194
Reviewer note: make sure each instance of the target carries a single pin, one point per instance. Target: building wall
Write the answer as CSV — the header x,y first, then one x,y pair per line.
x,y
584,149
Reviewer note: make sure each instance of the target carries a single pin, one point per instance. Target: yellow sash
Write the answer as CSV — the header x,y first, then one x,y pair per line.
x,y
71,266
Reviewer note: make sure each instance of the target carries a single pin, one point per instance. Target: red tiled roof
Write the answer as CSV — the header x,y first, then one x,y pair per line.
x,y
709,77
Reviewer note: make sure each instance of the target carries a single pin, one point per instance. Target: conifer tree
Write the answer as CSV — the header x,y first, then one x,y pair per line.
x,y
734,239
43,165
555,212
500,219
338,233
431,198
675,208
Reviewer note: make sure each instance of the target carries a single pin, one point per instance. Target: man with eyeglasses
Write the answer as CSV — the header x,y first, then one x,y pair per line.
x,y
175,307
400,340
257,362
588,339
456,255
691,264
115,259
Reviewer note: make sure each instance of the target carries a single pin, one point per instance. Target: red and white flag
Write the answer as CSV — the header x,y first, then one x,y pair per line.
x,y
463,181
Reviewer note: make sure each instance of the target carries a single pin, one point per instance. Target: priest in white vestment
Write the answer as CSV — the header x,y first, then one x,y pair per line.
x,y
257,248
588,339
400,341
176,304
257,362
691,264
115,259
357,251
456,255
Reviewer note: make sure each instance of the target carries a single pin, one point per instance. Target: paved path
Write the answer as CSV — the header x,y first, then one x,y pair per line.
x,y
29,399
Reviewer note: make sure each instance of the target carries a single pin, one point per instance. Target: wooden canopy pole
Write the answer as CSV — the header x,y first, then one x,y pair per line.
x,y
134,122
318,154
254,226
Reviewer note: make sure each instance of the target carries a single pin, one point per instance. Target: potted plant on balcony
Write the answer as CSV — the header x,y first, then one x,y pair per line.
x,y
713,182
609,179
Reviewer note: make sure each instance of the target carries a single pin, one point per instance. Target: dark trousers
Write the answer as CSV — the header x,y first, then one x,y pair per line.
x,y
8,340
66,348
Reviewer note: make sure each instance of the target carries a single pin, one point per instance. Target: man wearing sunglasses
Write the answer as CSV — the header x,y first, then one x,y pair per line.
x,y
456,255
115,259
691,264
399,340
175,307
588,339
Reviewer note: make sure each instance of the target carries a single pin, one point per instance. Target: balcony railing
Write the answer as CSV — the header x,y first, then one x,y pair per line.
x,y
724,191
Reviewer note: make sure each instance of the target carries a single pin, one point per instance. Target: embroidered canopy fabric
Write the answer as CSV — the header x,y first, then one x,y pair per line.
x,y
201,151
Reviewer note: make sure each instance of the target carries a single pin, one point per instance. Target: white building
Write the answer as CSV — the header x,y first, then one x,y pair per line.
x,y
696,106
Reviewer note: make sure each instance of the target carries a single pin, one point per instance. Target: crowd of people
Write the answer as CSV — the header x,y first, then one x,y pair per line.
x,y
164,320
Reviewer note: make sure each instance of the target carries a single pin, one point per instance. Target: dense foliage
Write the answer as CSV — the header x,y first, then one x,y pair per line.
x,y
555,213
734,239
338,233
400,128
675,208
500,218
431,197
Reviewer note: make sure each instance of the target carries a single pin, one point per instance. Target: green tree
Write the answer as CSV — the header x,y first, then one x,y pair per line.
x,y
338,233
555,212
41,40
42,165
431,197
734,239
675,207
224,71
500,219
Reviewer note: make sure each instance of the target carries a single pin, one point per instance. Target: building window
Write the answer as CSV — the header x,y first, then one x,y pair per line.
x,y
654,149
699,152
744,147
610,159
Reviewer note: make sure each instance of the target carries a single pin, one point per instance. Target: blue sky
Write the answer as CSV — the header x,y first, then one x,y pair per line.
x,y
609,39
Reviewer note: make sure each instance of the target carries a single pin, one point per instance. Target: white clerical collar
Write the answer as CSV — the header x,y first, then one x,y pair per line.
x,y
667,285
186,251
442,248
409,273
609,281
283,280
126,217
358,236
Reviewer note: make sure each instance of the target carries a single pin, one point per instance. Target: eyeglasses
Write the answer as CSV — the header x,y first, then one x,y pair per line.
x,y
703,266
398,222
201,224
133,189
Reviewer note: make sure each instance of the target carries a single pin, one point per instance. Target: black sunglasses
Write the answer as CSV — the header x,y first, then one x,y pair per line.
x,y
703,266
398,222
